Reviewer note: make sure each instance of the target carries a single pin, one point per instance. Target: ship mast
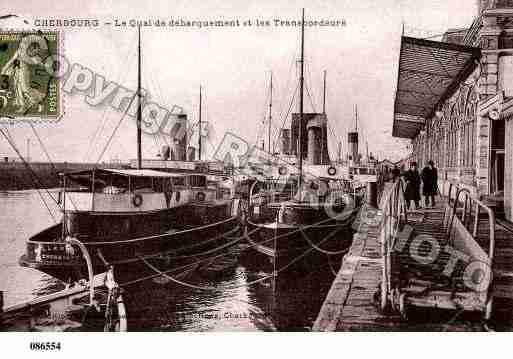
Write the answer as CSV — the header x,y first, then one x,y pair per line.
x,y
324,95
139,112
324,113
270,117
301,90
356,118
199,127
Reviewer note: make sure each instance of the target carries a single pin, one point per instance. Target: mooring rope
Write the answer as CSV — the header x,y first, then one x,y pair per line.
x,y
213,288
132,240
148,277
135,259
289,233
321,250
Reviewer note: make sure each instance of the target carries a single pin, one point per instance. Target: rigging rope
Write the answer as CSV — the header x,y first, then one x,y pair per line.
x,y
275,136
56,173
284,119
105,118
31,171
44,148
116,128
261,124
312,99
160,98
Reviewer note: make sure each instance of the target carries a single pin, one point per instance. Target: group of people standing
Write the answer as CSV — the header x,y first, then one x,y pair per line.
x,y
428,177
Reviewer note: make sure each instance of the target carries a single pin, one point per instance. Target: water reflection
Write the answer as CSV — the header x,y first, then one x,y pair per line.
x,y
244,298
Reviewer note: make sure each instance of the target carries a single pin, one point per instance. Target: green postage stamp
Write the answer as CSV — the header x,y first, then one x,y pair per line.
x,y
29,88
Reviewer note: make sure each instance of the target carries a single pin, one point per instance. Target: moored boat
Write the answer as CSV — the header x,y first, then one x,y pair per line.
x,y
304,206
123,215
293,226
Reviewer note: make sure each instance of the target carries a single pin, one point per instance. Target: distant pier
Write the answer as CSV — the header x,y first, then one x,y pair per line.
x,y
20,176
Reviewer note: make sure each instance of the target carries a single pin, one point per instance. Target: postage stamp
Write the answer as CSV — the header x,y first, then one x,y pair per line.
x,y
28,89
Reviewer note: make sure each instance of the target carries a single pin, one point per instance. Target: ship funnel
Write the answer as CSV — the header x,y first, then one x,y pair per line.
x,y
191,153
352,139
314,140
178,136
317,141
165,152
285,141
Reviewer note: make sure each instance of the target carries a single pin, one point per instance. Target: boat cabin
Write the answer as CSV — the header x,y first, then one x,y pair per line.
x,y
130,190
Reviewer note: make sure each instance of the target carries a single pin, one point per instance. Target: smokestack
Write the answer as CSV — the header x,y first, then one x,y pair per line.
x,y
285,141
191,153
179,138
352,139
165,153
315,127
315,144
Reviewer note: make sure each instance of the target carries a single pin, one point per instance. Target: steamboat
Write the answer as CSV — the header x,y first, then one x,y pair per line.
x,y
306,203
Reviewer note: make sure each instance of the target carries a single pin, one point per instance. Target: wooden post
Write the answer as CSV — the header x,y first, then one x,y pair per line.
x,y
372,194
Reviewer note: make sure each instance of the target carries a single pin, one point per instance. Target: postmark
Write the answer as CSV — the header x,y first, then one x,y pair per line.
x,y
28,88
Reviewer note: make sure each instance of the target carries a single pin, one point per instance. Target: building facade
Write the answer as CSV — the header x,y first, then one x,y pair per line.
x,y
457,105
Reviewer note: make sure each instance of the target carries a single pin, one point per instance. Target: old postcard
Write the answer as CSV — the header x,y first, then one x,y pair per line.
x,y
323,166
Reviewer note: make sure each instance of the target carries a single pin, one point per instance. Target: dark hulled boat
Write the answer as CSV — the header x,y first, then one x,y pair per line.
x,y
291,227
122,216
307,208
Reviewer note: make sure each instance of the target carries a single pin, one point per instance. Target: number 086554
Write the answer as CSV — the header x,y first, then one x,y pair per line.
x,y
45,346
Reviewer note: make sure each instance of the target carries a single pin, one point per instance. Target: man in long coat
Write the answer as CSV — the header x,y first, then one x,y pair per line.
x,y
396,172
412,192
430,180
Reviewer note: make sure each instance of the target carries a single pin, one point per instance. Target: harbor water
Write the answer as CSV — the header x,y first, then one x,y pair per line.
x,y
234,299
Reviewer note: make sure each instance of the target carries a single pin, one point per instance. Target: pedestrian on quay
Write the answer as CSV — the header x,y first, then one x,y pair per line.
x,y
429,177
412,192
396,172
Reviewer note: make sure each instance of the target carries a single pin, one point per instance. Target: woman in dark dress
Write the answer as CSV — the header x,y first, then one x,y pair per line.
x,y
412,192
430,180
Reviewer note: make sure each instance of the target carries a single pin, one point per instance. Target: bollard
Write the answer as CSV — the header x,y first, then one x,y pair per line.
x,y
372,194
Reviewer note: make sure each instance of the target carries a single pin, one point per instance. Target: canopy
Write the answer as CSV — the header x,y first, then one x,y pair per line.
x,y
143,173
429,73
116,176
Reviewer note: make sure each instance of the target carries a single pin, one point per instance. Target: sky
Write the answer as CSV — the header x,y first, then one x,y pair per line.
x,y
233,66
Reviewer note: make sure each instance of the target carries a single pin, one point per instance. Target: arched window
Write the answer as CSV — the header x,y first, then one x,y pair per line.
x,y
470,127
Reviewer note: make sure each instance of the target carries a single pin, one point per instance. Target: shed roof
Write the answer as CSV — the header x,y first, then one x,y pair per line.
x,y
429,73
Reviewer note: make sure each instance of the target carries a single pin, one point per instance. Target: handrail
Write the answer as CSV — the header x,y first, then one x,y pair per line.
x,y
478,205
393,209
87,258
491,216
394,216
